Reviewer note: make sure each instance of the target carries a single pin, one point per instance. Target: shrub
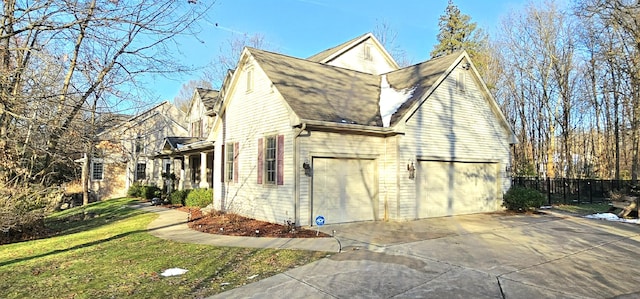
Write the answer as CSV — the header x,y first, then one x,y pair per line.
x,y
150,192
199,198
144,191
178,197
135,190
522,199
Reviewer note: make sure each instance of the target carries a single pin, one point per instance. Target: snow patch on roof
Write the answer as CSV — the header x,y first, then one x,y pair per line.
x,y
391,99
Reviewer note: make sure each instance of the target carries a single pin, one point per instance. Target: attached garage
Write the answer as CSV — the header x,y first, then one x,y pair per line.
x,y
446,188
344,190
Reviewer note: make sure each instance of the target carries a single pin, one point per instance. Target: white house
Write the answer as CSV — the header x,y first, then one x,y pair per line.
x,y
349,135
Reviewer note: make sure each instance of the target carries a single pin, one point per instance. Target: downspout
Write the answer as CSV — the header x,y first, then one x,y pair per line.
x,y
296,187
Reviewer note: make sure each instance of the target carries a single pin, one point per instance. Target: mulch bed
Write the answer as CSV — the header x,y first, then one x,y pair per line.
x,y
235,225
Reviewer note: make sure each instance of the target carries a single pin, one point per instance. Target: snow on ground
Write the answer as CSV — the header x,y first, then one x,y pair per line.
x,y
173,272
611,217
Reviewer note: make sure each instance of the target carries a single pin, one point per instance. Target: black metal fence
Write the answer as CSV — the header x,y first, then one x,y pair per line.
x,y
573,191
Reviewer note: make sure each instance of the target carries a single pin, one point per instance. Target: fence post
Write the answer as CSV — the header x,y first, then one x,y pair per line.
x,y
564,191
549,190
578,183
590,192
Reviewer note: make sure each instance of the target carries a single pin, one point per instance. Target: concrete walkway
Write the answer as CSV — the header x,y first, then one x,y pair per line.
x,y
472,256
172,225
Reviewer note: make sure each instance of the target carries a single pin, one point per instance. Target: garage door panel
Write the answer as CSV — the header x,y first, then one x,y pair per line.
x,y
451,188
344,190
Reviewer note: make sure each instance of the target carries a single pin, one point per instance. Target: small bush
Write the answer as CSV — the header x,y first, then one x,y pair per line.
x,y
178,197
199,198
144,191
135,190
150,192
522,199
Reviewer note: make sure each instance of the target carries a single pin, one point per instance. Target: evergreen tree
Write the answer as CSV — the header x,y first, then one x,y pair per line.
x,y
457,32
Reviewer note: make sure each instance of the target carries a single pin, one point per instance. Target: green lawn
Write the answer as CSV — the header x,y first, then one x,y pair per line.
x,y
111,256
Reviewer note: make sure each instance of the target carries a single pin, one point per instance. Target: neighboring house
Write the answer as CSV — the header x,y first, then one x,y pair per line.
x,y
349,135
126,152
195,152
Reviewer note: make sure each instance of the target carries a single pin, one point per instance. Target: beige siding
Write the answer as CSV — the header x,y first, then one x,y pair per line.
x,y
326,144
152,127
354,59
452,126
250,116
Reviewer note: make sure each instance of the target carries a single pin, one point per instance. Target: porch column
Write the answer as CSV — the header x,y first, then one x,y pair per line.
x,y
203,171
183,175
168,180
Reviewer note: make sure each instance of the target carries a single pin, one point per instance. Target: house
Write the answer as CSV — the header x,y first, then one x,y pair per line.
x,y
125,153
349,135
194,153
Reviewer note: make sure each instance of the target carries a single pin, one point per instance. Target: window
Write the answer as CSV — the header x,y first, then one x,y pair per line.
x,y
249,80
271,160
196,128
139,144
231,162
141,171
194,163
97,171
367,52
461,81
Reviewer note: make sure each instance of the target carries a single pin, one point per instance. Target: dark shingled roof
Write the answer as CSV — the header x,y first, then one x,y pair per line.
x,y
321,92
174,141
208,96
422,76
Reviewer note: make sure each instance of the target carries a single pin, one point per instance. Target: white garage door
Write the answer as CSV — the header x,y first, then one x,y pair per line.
x,y
453,188
344,190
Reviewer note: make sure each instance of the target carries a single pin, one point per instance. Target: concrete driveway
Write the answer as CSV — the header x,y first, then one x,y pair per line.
x,y
474,256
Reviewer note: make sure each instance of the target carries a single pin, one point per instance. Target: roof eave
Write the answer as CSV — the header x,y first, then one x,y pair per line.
x,y
318,125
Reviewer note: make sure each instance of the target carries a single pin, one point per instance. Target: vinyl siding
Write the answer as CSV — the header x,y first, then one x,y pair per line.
x,y
354,59
451,125
248,117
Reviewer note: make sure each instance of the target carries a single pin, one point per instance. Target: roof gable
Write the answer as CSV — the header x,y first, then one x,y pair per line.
x,y
332,54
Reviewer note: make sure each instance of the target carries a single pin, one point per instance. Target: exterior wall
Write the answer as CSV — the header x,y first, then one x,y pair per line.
x,y
197,112
248,117
113,183
451,125
326,144
354,59
149,128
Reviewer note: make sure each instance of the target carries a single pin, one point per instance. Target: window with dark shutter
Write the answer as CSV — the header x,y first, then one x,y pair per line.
x,y
236,151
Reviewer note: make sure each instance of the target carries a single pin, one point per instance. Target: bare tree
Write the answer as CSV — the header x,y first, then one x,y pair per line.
x,y
56,55
387,36
229,53
183,98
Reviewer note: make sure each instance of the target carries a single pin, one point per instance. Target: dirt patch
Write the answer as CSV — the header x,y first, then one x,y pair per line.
x,y
235,225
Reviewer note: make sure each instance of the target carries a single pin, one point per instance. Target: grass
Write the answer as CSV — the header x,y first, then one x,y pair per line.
x,y
112,256
584,209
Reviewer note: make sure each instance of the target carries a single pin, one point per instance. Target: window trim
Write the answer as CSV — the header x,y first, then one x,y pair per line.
x,y
367,52
231,162
144,171
249,79
270,160
271,157
94,164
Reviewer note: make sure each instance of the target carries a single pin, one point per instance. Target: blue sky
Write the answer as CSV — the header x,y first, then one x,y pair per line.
x,y
301,28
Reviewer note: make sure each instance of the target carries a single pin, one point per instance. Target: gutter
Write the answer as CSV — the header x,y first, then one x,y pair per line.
x,y
296,165
353,128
